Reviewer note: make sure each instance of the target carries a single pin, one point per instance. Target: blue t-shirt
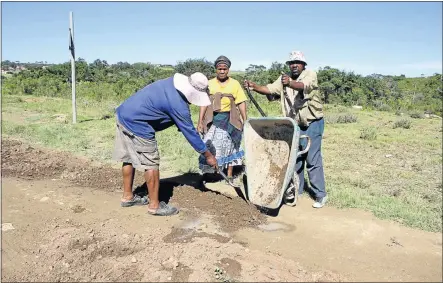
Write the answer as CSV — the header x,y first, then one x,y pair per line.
x,y
156,107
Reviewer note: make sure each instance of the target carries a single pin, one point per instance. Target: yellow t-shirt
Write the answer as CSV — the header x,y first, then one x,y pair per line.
x,y
233,87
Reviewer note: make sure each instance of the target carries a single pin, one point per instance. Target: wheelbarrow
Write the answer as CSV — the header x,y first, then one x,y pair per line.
x,y
271,146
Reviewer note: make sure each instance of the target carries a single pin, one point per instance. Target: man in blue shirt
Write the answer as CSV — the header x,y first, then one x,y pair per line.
x,y
154,108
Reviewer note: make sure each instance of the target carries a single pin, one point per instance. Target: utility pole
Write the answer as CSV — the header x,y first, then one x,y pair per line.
x,y
72,49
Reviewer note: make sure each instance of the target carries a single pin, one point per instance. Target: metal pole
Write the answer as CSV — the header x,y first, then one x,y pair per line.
x,y
71,34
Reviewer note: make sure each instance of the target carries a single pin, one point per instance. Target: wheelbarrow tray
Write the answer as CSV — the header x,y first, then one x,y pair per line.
x,y
271,146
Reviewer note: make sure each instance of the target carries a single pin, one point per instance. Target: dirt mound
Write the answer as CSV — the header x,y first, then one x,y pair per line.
x,y
25,161
232,214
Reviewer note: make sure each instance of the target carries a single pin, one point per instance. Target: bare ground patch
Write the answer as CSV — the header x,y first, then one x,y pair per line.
x,y
25,161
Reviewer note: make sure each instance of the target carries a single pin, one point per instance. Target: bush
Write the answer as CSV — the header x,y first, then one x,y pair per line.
x,y
402,123
191,66
368,133
381,106
417,115
341,119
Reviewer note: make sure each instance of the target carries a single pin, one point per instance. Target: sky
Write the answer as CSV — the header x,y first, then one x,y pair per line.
x,y
390,38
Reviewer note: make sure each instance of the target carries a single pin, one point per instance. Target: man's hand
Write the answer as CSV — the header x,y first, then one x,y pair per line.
x,y
285,80
249,84
210,159
212,162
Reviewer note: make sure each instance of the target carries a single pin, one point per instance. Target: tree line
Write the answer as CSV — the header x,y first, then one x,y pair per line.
x,y
100,80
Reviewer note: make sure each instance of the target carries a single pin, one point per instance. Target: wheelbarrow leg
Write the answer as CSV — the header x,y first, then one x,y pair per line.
x,y
291,194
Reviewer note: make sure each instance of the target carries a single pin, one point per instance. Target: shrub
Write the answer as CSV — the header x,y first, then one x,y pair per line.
x,y
381,106
341,119
402,123
368,133
417,115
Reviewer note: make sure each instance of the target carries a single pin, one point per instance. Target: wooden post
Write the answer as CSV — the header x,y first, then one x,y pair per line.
x,y
71,47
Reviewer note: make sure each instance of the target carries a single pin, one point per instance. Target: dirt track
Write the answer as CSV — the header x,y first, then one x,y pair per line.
x,y
68,226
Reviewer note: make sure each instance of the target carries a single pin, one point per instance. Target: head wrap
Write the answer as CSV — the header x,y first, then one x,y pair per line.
x,y
222,60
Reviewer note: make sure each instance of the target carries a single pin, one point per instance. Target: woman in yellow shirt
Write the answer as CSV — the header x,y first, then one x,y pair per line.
x,y
224,118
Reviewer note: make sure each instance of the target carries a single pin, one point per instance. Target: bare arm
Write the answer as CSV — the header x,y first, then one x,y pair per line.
x,y
309,83
270,90
202,114
296,85
242,108
200,118
261,89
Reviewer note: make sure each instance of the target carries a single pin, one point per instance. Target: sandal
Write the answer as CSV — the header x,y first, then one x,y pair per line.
x,y
163,210
136,200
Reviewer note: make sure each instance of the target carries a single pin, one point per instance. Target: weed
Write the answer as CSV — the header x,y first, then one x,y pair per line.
x,y
221,275
417,115
341,119
368,133
381,106
402,123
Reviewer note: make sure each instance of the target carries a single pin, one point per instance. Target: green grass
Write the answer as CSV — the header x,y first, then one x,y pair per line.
x,y
397,175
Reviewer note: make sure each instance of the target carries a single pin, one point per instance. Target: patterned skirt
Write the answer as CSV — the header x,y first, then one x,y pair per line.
x,y
223,141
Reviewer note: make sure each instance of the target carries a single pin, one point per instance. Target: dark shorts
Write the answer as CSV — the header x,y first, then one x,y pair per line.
x,y
141,153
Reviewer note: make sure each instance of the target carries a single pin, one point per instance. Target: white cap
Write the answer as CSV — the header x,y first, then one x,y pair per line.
x,y
194,88
297,56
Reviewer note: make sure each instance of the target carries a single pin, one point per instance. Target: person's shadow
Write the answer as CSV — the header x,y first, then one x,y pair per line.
x,y
194,180
197,181
167,185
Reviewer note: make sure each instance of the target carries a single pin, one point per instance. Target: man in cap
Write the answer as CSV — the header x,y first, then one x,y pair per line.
x,y
300,100
154,108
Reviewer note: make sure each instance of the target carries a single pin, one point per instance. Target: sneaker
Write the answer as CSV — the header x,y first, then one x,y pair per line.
x,y
290,194
320,202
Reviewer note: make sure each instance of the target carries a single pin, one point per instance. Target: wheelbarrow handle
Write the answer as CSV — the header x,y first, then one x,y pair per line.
x,y
308,145
248,92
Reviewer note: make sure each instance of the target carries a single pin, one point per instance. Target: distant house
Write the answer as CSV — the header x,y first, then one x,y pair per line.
x,y
163,65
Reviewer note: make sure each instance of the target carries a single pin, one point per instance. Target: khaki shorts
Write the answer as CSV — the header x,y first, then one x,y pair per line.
x,y
141,153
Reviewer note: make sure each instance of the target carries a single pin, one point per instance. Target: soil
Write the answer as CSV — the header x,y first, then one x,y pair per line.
x,y
24,161
62,221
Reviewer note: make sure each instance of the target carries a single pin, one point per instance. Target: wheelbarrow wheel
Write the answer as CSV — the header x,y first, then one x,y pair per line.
x,y
291,194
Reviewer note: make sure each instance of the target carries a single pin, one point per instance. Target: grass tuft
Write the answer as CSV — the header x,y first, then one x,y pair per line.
x,y
402,123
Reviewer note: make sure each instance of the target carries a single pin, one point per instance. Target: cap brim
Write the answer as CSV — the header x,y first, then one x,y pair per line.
x,y
296,61
194,96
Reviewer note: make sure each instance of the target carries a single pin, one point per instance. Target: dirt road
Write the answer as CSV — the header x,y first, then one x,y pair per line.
x,y
61,221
